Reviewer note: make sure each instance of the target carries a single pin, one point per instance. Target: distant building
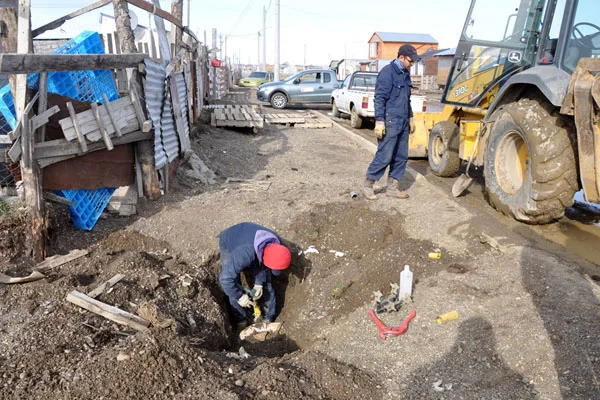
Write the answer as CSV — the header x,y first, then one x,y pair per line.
x,y
385,45
345,67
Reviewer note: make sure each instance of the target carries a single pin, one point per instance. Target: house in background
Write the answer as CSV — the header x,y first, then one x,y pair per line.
x,y
383,48
385,45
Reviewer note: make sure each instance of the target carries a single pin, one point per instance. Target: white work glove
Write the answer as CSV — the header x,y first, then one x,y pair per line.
x,y
379,129
245,301
258,291
413,127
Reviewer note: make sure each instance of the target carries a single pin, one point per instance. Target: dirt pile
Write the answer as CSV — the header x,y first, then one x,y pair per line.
x,y
54,350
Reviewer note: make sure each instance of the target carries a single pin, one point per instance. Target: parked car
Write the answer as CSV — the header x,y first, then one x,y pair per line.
x,y
255,79
355,98
309,86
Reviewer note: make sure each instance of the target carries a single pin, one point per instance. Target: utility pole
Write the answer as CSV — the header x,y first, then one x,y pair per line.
x,y
305,56
264,39
258,54
188,13
221,46
277,32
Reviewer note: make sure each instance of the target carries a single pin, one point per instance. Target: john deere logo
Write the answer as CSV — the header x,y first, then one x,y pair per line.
x,y
515,57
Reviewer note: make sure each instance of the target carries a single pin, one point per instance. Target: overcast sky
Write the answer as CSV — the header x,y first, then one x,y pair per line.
x,y
313,30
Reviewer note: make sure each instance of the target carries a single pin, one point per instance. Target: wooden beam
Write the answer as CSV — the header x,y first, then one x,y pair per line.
x,y
111,115
58,22
101,126
31,63
163,41
61,147
49,196
23,47
58,260
113,313
80,136
157,11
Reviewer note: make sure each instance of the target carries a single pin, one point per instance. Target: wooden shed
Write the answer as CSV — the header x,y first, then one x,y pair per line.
x,y
385,45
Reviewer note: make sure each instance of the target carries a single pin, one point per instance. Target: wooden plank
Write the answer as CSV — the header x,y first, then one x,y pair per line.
x,y
58,260
61,147
163,41
42,119
106,285
31,63
109,40
58,22
15,151
42,105
101,127
145,125
124,114
109,312
80,137
111,115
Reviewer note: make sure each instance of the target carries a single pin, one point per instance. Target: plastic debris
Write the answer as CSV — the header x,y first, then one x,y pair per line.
x,y
449,316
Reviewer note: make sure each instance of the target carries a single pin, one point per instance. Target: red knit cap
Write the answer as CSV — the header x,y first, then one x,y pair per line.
x,y
276,256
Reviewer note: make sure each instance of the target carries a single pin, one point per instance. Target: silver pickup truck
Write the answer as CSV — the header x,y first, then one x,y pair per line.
x,y
309,86
355,98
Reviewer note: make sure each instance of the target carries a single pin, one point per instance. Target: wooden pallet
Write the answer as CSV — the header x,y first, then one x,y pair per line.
x,y
284,118
237,116
315,120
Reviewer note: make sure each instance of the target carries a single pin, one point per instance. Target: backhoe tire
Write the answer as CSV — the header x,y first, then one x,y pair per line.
x,y
442,150
356,120
334,110
530,167
278,100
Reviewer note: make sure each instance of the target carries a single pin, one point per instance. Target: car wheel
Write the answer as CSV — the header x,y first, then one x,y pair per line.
x,y
442,151
530,164
334,110
279,100
355,119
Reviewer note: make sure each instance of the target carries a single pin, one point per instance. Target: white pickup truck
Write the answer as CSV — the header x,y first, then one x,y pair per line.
x,y
355,98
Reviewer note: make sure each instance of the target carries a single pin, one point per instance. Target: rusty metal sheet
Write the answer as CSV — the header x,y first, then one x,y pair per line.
x,y
95,170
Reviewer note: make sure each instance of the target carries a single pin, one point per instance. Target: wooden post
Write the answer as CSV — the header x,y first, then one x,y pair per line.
x,y
163,42
29,169
176,34
145,148
8,38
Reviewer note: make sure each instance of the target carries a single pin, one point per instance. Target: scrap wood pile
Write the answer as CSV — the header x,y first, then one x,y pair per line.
x,y
252,116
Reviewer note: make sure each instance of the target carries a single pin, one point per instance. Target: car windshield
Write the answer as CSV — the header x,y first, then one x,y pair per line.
x,y
258,75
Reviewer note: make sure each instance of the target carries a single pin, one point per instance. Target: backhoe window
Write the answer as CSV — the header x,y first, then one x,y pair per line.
x,y
584,34
495,21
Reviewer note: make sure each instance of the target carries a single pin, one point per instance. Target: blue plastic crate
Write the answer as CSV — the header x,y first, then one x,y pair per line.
x,y
89,205
79,85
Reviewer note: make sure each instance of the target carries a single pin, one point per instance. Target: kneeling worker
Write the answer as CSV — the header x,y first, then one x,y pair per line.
x,y
256,249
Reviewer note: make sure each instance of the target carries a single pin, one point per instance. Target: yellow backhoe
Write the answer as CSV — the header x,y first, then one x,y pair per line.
x,y
522,101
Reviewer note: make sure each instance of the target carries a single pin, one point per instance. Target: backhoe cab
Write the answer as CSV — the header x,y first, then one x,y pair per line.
x,y
521,103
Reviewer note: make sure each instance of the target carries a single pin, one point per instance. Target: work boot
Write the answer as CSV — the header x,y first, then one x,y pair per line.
x,y
394,191
368,190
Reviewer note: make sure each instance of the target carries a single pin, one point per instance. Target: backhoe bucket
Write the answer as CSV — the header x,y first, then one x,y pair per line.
x,y
583,102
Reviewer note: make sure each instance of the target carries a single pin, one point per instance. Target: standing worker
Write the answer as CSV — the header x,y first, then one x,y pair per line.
x,y
393,123
256,249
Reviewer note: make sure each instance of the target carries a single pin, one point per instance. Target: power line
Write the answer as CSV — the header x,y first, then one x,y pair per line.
x,y
241,16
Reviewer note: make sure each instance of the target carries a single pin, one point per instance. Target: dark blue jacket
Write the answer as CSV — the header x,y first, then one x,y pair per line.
x,y
241,247
392,97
